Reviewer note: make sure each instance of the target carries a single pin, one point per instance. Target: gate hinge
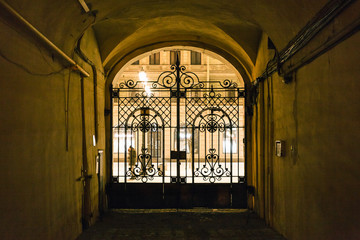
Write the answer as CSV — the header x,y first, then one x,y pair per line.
x,y
83,178
115,94
242,179
241,93
107,112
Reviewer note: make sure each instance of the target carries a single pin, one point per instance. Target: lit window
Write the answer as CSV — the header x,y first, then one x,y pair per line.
x,y
230,141
154,59
154,143
173,55
186,139
119,140
195,58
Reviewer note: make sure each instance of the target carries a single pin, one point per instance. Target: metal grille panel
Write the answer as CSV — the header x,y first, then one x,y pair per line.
x,y
184,131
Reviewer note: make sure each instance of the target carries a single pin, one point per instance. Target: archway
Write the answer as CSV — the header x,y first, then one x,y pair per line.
x,y
178,136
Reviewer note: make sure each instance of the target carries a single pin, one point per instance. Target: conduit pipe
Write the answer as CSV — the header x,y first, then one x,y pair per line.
x,y
93,67
327,14
76,67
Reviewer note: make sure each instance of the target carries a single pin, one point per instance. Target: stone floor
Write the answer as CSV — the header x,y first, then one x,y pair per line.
x,y
180,224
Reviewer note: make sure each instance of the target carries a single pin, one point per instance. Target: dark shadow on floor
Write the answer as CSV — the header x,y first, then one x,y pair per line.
x,y
180,224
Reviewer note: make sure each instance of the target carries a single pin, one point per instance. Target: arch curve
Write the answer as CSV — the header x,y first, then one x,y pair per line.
x,y
142,51
177,31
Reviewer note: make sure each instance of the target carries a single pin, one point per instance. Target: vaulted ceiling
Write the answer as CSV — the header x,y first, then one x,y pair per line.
x,y
233,29
127,28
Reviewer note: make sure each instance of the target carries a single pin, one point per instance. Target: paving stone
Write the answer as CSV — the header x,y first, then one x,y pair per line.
x,y
194,224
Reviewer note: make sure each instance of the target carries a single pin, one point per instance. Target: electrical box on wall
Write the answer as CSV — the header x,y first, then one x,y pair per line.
x,y
280,148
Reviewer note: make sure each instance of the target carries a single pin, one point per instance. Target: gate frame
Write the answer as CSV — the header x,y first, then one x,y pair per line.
x,y
178,72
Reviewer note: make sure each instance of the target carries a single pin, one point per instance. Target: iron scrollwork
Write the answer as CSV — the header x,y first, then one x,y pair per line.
x,y
169,79
144,94
129,84
177,73
228,84
144,120
212,123
144,126
144,169
212,94
145,113
212,170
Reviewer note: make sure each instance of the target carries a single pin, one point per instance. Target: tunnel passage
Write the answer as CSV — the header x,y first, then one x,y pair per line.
x,y
53,100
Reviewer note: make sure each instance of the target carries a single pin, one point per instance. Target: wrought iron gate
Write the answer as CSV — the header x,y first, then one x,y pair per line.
x,y
178,142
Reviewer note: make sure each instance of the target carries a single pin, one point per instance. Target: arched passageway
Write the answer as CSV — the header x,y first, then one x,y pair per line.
x,y
59,58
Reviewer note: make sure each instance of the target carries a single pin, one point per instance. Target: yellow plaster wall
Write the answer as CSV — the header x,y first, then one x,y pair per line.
x,y
40,197
311,192
90,49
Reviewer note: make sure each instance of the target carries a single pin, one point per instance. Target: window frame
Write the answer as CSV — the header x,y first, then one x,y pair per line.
x,y
195,58
154,59
227,141
173,56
